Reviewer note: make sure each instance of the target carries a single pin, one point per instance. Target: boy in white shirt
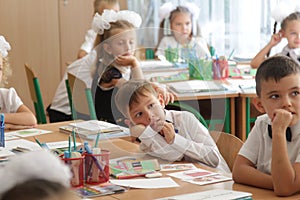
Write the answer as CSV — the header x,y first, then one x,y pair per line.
x,y
270,157
168,134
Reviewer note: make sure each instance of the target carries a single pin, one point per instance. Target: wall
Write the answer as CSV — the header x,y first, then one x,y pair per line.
x,y
46,34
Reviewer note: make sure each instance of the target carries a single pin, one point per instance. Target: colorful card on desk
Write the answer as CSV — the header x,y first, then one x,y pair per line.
x,y
216,194
131,168
100,190
209,179
192,174
173,167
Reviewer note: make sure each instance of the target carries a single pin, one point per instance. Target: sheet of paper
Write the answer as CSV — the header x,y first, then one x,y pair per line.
x,y
146,183
9,136
32,146
216,194
29,132
173,167
192,174
60,144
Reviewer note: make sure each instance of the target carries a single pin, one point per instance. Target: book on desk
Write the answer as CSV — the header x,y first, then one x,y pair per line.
x,y
194,86
89,129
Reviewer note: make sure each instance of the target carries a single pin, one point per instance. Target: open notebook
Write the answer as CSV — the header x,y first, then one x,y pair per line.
x,y
193,86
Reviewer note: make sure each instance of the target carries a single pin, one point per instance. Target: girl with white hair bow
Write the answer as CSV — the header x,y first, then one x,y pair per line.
x,y
289,16
179,29
16,114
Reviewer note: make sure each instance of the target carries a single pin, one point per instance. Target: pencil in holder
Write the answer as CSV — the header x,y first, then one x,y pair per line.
x,y
220,69
76,165
171,54
200,69
97,167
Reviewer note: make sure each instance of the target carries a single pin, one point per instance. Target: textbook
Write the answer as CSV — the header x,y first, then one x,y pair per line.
x,y
193,86
92,135
96,126
215,194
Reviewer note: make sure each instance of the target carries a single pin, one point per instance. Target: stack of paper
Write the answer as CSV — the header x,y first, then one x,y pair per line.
x,y
194,86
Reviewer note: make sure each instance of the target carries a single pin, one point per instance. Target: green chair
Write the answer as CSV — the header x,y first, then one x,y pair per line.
x,y
80,98
36,96
186,107
73,112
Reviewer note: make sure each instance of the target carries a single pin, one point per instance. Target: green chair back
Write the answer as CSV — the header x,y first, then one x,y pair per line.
x,y
73,112
36,95
80,97
186,107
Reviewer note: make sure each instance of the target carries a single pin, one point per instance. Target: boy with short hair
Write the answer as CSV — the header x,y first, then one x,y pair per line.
x,y
270,157
168,134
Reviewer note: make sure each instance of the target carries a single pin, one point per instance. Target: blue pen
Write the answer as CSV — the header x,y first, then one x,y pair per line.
x,y
2,126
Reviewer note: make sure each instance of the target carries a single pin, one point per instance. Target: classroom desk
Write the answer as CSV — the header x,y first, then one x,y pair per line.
x,y
243,110
229,105
121,147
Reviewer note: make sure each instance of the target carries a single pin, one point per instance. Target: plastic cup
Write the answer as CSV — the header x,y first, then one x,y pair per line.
x,y
76,167
97,167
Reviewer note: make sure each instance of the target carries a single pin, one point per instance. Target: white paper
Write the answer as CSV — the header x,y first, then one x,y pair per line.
x,y
60,144
149,183
29,132
217,194
95,125
32,146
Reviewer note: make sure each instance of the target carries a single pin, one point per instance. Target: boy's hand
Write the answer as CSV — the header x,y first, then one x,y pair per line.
x,y
127,60
168,132
135,130
281,120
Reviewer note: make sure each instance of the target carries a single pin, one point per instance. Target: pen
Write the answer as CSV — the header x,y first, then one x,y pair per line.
x,y
97,139
43,145
2,126
69,147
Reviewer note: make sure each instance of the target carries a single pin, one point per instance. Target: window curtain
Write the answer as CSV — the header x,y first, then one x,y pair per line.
x,y
241,26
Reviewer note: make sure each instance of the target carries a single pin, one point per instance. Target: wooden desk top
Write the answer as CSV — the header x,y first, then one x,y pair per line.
x,y
120,147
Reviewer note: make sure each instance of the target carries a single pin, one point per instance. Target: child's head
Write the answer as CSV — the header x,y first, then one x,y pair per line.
x,y
139,102
290,28
100,5
182,20
278,86
5,69
42,176
116,34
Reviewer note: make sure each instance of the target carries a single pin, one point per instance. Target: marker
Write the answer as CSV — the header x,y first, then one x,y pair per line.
x,y
74,140
2,126
97,140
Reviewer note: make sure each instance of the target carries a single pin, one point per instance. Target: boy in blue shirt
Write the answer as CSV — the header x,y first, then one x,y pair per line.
x,y
270,157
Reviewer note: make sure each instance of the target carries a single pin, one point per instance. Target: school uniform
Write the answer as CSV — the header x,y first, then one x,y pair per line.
x,y
9,100
105,106
197,43
258,146
192,142
292,53
89,41
60,110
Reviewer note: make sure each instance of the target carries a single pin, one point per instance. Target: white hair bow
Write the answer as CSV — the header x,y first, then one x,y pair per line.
x,y
284,9
4,47
102,22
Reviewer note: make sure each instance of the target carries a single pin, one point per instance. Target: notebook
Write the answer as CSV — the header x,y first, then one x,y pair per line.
x,y
193,86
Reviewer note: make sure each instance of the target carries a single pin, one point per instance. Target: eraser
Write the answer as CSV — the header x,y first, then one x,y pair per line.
x,y
153,175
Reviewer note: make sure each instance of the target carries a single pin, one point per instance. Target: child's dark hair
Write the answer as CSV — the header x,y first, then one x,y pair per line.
x,y
275,68
130,92
291,17
37,189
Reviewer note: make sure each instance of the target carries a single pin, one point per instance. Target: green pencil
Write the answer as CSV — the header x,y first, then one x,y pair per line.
x,y
97,139
74,139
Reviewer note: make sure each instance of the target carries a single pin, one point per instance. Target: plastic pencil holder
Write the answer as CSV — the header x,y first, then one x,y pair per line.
x,y
220,69
97,167
200,69
77,168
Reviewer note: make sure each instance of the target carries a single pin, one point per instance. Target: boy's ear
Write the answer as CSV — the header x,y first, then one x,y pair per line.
x,y
107,48
258,105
